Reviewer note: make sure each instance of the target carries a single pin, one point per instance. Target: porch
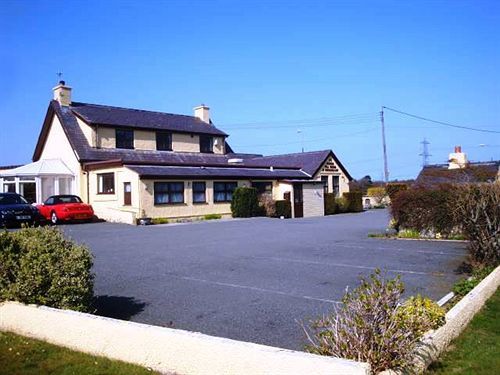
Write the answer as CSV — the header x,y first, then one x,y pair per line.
x,y
39,180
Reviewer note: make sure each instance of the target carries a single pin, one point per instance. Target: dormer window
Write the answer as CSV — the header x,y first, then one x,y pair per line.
x,y
206,144
124,138
164,141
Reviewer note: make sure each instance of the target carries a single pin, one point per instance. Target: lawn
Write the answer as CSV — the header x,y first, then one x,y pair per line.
x,y
477,350
20,355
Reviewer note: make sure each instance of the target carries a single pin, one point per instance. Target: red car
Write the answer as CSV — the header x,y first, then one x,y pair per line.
x,y
59,208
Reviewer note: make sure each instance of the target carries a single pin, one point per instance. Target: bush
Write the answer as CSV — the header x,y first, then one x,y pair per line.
x,y
394,188
159,220
283,208
462,287
425,210
420,314
368,326
40,266
267,205
354,201
477,208
212,217
331,204
378,193
245,202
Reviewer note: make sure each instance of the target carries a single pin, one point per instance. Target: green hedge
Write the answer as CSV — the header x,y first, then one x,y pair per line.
x,y
40,266
245,202
283,208
353,201
331,204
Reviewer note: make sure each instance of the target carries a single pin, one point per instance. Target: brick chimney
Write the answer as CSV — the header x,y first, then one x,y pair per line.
x,y
62,93
457,159
203,113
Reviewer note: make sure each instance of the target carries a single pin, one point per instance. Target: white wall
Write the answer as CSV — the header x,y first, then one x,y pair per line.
x,y
313,200
57,146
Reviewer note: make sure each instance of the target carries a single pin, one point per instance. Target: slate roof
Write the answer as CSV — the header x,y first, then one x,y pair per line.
x,y
435,175
211,172
308,162
104,115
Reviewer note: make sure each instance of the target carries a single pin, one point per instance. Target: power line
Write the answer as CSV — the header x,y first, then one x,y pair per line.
x,y
441,122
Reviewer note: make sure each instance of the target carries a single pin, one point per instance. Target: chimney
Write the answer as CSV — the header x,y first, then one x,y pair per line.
x,y
62,93
203,113
457,159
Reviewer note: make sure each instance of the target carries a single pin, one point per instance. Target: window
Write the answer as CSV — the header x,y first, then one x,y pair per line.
x,y
164,141
199,195
169,192
223,191
336,185
206,144
124,138
263,187
106,183
324,180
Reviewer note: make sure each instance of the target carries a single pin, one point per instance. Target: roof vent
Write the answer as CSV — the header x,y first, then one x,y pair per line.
x,y
235,161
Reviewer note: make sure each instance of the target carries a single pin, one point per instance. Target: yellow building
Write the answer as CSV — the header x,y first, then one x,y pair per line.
x,y
131,164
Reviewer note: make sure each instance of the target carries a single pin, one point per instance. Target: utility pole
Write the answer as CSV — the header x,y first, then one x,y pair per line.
x,y
386,169
425,152
302,138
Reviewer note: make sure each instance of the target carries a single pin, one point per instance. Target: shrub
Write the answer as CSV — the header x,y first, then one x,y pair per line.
x,y
477,208
394,188
420,314
40,266
378,193
283,208
245,202
159,220
267,205
331,204
342,205
212,217
462,287
354,201
368,326
408,233
425,210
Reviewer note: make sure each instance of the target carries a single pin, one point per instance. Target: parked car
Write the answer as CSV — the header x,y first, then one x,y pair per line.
x,y
16,210
59,208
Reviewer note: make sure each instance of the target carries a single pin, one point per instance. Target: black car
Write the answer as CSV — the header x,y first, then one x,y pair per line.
x,y
15,210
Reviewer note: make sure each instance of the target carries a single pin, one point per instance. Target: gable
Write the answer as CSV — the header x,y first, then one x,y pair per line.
x,y
57,146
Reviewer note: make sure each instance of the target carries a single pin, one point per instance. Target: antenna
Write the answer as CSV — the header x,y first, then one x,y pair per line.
x,y
425,152
59,76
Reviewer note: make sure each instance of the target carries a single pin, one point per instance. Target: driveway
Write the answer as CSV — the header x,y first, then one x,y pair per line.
x,y
253,279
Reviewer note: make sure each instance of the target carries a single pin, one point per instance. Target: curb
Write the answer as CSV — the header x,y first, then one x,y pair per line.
x,y
434,343
163,349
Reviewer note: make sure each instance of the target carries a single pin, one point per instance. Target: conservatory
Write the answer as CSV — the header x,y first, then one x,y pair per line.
x,y
39,180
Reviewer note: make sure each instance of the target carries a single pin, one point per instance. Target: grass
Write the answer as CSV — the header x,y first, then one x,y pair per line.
x,y
21,355
212,217
477,350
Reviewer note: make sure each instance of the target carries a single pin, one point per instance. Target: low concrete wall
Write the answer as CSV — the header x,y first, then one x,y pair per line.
x,y
435,343
164,349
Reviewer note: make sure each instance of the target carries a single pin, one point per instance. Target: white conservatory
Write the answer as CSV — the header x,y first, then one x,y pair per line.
x,y
39,180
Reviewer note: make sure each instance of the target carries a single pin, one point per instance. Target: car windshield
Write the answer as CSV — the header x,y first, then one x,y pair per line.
x,y
6,199
62,199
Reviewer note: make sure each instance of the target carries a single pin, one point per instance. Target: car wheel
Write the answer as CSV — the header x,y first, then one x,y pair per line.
x,y
53,218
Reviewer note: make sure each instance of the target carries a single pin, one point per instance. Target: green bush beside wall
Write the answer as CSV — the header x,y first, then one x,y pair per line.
x,y
283,208
245,203
40,266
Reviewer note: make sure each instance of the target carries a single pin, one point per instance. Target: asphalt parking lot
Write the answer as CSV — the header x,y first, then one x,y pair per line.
x,y
253,279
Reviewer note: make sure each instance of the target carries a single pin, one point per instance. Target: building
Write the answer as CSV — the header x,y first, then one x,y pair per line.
x,y
458,170
131,164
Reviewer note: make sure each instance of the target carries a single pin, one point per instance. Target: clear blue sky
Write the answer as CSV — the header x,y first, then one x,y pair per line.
x,y
266,69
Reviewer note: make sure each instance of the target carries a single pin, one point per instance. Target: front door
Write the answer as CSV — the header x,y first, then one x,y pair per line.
x,y
127,194
298,203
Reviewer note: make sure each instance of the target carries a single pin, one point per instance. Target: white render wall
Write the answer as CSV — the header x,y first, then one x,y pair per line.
x,y
314,204
163,349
